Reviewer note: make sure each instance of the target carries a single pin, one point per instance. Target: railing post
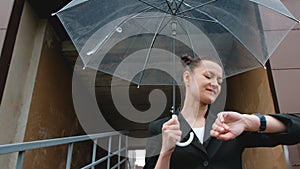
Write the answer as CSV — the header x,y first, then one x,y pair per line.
x,y
119,151
94,151
108,152
20,160
69,157
126,152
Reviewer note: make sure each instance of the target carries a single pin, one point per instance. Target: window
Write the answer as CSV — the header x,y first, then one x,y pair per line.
x,y
137,158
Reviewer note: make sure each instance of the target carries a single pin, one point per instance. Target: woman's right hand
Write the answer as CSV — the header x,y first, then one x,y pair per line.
x,y
171,134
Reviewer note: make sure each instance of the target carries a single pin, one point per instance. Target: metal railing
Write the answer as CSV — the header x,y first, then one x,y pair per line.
x,y
21,148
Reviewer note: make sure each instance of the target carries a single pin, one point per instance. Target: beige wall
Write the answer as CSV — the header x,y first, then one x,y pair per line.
x,y
20,81
5,11
37,102
249,93
51,112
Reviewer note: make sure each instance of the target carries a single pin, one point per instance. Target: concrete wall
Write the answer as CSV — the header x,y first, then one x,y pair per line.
x,y
51,112
37,102
5,11
249,93
16,101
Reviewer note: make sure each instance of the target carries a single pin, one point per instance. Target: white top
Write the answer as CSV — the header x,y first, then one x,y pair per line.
x,y
199,133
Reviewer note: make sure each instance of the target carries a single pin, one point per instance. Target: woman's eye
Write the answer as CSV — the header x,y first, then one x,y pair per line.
x,y
207,76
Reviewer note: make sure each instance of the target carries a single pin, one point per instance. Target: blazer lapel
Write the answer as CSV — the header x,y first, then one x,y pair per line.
x,y
186,129
207,138
210,119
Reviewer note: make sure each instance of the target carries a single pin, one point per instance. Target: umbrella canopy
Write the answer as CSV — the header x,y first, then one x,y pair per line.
x,y
126,37
141,40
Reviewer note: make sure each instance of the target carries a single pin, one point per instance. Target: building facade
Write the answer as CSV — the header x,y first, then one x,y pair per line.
x,y
36,79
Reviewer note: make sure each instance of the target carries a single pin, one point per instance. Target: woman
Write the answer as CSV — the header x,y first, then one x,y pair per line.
x,y
220,140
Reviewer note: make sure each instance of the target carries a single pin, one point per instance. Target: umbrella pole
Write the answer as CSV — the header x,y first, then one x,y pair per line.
x,y
191,138
174,24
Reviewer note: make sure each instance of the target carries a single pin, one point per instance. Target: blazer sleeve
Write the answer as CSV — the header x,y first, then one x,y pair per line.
x,y
289,137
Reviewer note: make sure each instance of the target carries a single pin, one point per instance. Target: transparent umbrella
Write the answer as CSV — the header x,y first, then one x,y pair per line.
x,y
135,39
243,34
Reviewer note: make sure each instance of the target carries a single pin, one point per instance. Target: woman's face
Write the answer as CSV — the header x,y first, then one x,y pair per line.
x,y
205,82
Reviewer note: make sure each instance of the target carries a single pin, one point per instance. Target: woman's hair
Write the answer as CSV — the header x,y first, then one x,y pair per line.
x,y
194,62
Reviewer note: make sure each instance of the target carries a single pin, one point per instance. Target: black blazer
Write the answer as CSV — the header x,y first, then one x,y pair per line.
x,y
214,153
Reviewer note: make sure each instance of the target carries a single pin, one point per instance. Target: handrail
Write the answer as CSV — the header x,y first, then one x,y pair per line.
x,y
25,146
17,147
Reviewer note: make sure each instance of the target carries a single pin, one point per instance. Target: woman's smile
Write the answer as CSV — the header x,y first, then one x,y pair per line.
x,y
212,91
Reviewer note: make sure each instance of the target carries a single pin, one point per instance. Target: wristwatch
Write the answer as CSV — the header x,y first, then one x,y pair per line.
x,y
263,122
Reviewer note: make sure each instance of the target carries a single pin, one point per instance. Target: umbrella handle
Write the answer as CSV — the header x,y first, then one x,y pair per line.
x,y
188,142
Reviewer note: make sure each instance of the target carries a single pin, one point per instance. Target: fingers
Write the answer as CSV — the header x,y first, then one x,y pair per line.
x,y
220,133
219,124
214,133
173,120
172,129
220,129
171,134
228,125
220,136
221,117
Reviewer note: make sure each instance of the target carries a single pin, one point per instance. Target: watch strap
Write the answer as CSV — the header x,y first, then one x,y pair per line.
x,y
263,122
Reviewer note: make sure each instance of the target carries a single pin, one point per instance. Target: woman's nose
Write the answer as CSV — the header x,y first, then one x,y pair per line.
x,y
214,83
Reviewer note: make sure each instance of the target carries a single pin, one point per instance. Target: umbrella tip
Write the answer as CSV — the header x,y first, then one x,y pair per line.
x,y
174,116
90,52
83,68
138,86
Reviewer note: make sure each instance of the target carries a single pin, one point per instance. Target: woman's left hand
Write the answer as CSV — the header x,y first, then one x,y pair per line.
x,y
228,125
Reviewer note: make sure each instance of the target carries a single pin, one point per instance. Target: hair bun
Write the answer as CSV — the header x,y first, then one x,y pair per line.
x,y
186,59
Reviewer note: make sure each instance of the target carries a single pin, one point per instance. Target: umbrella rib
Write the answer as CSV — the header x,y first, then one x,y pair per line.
x,y
153,6
198,19
111,33
176,7
181,2
262,38
170,8
216,21
195,7
280,12
149,51
68,7
189,37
